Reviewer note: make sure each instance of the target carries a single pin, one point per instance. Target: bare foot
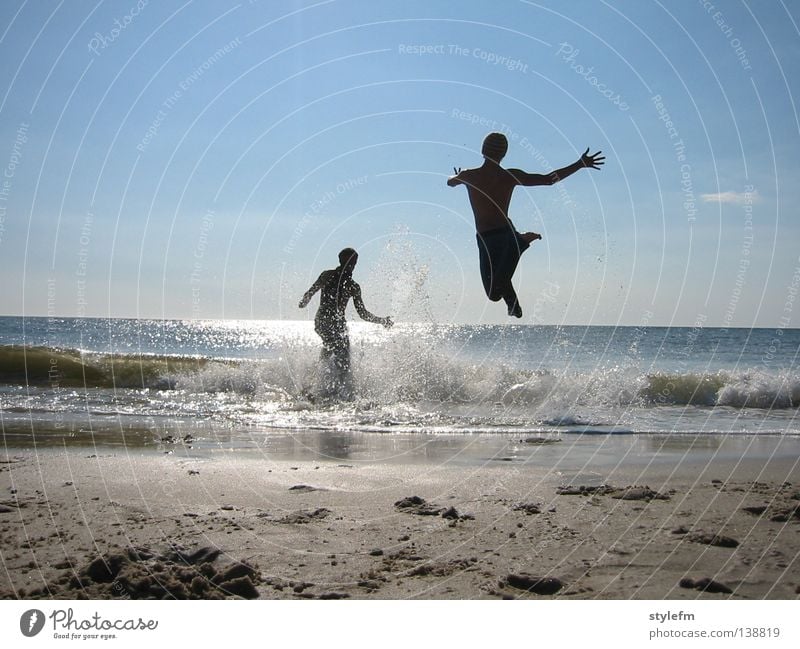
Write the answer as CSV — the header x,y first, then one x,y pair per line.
x,y
530,237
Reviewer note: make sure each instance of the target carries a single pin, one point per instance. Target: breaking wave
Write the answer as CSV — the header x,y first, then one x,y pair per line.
x,y
406,371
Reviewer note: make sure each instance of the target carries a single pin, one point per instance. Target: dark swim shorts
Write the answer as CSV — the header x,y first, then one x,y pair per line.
x,y
500,250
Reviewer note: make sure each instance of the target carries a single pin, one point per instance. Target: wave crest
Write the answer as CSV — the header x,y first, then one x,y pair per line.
x,y
406,370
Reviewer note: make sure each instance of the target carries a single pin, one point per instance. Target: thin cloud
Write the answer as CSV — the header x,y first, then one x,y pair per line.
x,y
733,198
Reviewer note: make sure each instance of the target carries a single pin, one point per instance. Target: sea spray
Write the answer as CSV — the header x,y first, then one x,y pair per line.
x,y
760,389
416,364
145,380
405,365
400,265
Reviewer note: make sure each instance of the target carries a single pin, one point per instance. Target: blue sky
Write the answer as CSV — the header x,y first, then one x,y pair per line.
x,y
209,159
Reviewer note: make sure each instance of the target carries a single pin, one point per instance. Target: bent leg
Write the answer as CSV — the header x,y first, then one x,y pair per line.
x,y
510,297
488,276
500,251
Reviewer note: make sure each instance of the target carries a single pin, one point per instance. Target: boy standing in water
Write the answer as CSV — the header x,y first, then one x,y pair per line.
x,y
490,187
337,287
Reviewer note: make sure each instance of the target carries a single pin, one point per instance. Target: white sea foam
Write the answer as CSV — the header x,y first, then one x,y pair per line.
x,y
411,371
430,378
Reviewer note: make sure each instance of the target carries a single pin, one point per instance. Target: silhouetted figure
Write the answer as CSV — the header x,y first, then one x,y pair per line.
x,y
490,187
337,286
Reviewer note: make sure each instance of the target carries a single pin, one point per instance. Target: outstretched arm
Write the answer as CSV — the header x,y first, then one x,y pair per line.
x,y
366,315
594,161
310,292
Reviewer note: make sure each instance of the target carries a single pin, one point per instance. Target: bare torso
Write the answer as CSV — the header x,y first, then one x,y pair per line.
x,y
490,188
337,290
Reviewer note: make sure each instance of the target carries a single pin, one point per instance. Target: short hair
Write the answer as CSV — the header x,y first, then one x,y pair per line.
x,y
495,146
346,255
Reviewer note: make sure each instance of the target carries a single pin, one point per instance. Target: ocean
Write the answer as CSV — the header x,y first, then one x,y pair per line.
x,y
248,384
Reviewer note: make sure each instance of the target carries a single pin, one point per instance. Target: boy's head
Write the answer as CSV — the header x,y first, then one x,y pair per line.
x,y
348,258
495,146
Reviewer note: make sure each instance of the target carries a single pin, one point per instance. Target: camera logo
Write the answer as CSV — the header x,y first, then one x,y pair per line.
x,y
31,622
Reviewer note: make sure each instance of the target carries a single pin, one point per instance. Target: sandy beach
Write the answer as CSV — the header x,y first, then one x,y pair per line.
x,y
592,518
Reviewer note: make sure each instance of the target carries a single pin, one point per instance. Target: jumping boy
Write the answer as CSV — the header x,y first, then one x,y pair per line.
x,y
337,287
490,187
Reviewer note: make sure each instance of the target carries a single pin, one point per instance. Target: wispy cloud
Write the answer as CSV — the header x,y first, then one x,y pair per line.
x,y
733,198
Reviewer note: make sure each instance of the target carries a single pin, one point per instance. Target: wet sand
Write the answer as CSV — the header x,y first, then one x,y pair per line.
x,y
463,517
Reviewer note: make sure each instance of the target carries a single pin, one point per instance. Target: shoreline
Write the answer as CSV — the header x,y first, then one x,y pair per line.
x,y
546,450
306,524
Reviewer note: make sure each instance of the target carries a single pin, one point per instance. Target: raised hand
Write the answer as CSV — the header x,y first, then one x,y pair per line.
x,y
594,161
452,181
